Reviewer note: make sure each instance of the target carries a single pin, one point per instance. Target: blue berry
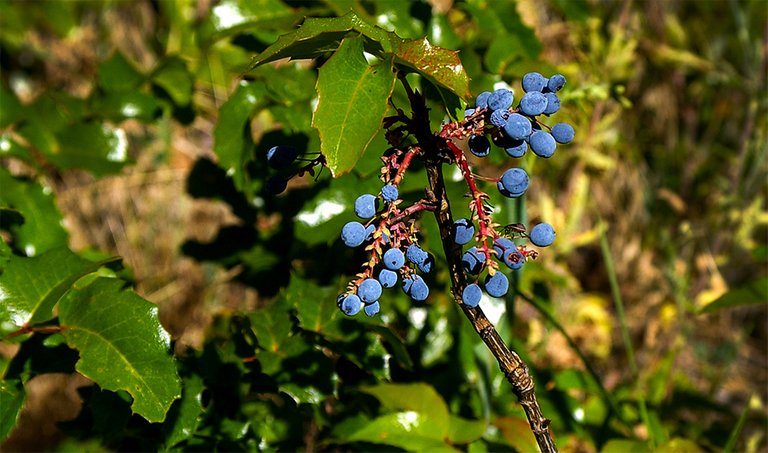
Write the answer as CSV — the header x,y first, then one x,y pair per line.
x,y
372,309
496,285
276,184
389,193
479,145
542,235
472,261
353,234
513,259
468,112
427,265
533,81
502,244
482,100
365,206
543,144
515,181
533,103
500,99
369,290
556,82
471,295
279,157
415,287
499,117
518,127
394,259
463,231
553,103
387,278
369,232
351,305
415,254
516,148
562,133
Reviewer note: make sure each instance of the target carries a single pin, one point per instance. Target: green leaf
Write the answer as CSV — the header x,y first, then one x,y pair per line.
x,y
231,141
463,431
440,66
755,292
623,446
117,74
42,228
9,147
419,398
185,414
176,80
233,16
122,105
408,430
122,345
11,109
30,287
12,397
98,148
352,102
316,37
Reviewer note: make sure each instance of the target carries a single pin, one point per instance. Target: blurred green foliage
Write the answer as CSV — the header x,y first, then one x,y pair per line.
x,y
668,172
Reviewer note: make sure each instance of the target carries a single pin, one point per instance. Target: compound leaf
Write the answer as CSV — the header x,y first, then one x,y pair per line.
x,y
122,344
30,287
352,102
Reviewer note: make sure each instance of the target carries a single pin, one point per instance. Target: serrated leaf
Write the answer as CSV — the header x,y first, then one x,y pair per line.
x,y
352,101
12,397
122,345
755,292
441,66
42,228
30,287
229,136
317,36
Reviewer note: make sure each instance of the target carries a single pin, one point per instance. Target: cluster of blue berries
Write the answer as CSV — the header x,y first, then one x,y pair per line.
x,y
390,238
515,130
394,254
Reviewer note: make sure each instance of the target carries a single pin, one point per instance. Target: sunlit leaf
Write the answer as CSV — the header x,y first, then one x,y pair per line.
x,y
122,344
99,148
41,229
30,287
352,102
